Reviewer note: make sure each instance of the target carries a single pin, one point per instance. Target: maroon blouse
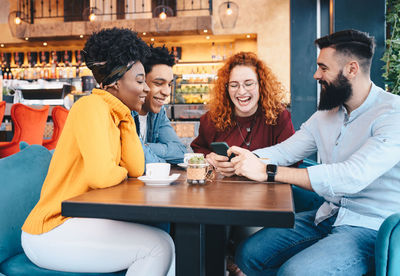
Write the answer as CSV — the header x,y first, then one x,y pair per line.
x,y
260,136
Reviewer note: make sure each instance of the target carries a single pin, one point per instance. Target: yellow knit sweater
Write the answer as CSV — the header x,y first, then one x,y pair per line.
x,y
98,148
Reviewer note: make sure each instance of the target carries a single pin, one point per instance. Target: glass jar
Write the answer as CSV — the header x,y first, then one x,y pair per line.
x,y
196,173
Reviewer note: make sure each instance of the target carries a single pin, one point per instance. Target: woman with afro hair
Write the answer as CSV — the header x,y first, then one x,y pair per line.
x,y
99,148
246,110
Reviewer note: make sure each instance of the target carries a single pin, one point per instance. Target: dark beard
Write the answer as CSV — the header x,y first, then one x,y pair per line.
x,y
334,94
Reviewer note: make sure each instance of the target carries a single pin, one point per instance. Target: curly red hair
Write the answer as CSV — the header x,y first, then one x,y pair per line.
x,y
272,93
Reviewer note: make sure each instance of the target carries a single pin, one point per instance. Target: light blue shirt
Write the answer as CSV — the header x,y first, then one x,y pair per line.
x,y
360,153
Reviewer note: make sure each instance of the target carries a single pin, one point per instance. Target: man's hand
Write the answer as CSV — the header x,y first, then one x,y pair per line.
x,y
247,164
221,164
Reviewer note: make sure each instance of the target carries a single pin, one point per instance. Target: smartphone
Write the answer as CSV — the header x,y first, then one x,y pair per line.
x,y
221,148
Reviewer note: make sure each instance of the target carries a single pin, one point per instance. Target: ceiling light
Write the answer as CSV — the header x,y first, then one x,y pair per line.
x,y
163,15
144,33
152,39
81,36
44,43
17,20
248,36
92,15
27,38
228,9
205,30
228,14
162,12
2,45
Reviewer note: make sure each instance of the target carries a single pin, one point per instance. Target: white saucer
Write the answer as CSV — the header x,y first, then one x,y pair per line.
x,y
159,182
182,165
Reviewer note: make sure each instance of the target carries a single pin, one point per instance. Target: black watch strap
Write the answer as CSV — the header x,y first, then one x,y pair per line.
x,y
271,172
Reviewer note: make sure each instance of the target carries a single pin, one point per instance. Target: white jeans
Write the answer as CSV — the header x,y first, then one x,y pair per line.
x,y
102,245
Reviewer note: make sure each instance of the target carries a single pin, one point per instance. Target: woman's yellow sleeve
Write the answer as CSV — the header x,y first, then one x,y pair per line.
x,y
132,156
91,122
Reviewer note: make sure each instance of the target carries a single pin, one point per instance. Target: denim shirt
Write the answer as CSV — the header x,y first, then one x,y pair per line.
x,y
359,177
162,144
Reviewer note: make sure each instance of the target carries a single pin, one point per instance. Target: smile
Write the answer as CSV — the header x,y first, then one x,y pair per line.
x,y
243,100
142,99
159,100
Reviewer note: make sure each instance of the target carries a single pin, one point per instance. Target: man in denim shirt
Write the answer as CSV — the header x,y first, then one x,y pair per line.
x,y
160,142
356,132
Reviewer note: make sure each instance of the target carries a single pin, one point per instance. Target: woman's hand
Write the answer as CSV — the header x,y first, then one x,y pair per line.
x,y
221,164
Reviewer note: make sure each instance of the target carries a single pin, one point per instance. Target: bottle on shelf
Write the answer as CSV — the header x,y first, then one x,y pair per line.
x,y
78,57
53,65
213,52
47,71
175,53
67,58
17,60
219,56
7,74
224,53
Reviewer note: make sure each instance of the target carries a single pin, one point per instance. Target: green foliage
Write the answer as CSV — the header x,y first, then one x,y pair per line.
x,y
392,54
197,160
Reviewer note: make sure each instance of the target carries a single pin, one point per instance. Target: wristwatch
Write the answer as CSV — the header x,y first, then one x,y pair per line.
x,y
271,172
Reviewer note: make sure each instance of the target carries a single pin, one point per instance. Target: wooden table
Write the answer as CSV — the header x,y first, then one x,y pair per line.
x,y
200,213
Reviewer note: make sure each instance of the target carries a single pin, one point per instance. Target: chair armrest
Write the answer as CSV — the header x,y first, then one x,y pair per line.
x,y
305,200
307,163
387,250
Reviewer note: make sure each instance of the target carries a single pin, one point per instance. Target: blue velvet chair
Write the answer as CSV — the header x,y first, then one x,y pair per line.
x,y
387,248
21,179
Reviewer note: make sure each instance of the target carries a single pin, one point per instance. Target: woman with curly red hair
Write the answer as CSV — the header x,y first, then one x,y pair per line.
x,y
246,110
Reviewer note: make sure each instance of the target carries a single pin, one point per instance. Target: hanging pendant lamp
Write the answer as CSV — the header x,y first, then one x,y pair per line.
x,y
228,13
160,15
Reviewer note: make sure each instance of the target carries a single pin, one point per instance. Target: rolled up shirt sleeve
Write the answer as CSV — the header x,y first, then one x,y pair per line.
x,y
297,147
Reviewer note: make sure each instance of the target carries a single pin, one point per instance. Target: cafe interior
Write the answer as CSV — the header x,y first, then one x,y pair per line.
x,y
43,73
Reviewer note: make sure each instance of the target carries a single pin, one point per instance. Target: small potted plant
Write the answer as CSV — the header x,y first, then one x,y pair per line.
x,y
197,170
8,96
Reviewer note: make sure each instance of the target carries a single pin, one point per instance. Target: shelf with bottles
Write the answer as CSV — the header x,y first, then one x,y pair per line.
x,y
47,65
46,72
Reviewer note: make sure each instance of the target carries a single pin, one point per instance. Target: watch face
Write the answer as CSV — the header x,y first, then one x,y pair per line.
x,y
271,169
271,172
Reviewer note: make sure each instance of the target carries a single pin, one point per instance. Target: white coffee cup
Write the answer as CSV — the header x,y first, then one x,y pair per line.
x,y
189,155
158,170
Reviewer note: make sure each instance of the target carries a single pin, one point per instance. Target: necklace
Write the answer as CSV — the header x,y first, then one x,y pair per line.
x,y
248,129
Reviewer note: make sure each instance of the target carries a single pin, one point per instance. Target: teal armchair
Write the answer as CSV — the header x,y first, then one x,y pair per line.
x,y
21,178
387,250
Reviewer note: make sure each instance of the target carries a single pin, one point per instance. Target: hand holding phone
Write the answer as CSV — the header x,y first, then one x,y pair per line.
x,y
221,148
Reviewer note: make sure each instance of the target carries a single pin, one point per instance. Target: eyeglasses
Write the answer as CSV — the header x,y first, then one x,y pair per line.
x,y
247,85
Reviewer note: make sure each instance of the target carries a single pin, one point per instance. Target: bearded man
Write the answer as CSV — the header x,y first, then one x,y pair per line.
x,y
356,132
